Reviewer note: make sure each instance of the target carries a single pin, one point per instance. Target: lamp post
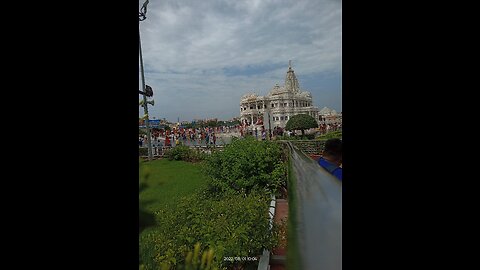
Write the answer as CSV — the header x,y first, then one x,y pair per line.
x,y
269,127
146,91
266,115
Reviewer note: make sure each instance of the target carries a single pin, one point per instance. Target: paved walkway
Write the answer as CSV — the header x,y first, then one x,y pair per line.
x,y
281,213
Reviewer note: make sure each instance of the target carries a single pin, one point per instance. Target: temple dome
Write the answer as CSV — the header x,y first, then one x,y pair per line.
x,y
277,90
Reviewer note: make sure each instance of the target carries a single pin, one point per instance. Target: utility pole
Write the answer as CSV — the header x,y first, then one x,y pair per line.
x,y
146,91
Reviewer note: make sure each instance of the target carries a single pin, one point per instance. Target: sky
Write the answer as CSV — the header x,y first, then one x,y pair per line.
x,y
201,57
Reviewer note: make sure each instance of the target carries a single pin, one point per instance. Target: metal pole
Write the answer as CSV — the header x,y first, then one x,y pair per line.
x,y
145,105
269,127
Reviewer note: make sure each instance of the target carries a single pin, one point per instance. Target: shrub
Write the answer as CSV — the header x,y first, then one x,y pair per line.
x,y
330,135
195,260
244,165
185,153
143,151
236,225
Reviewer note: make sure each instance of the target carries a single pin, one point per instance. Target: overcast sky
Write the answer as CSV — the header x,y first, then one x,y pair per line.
x,y
202,56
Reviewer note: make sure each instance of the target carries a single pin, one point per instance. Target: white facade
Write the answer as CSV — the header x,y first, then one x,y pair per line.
x,y
329,116
280,104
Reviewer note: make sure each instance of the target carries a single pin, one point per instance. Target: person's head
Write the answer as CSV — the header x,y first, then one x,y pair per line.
x,y
333,150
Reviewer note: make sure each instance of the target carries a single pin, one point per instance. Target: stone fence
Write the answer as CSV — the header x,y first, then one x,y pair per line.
x,y
160,151
310,147
318,212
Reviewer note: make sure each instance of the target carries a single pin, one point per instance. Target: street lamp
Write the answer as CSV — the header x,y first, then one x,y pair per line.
x,y
147,90
266,114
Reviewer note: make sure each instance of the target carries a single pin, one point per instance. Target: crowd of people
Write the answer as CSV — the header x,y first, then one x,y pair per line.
x,y
209,135
192,136
325,128
331,159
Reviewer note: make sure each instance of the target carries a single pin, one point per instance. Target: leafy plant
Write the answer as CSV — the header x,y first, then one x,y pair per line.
x,y
244,165
301,122
330,135
236,225
143,151
185,153
195,260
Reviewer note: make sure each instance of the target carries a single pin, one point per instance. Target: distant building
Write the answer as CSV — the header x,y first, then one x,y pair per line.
x,y
329,116
279,105
211,120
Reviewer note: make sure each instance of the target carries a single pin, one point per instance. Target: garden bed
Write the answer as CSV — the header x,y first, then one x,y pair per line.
x,y
227,212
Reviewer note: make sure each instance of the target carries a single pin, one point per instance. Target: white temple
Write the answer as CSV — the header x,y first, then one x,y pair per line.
x,y
279,105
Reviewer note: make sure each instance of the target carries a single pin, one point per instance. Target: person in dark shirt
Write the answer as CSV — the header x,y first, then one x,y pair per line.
x,y
331,159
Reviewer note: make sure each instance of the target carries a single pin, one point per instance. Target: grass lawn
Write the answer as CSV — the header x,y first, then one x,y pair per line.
x,y
168,181
233,224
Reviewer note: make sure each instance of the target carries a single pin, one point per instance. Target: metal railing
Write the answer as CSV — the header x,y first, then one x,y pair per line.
x,y
310,147
318,229
159,151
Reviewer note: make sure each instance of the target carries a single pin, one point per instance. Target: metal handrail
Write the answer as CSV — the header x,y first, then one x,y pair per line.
x,y
319,213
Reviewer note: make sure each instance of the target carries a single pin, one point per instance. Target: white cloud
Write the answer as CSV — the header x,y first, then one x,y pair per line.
x,y
188,44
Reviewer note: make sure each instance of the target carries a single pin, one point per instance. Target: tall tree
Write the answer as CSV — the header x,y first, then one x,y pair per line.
x,y
301,122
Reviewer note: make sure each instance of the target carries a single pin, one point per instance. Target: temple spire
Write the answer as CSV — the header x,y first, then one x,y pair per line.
x,y
291,82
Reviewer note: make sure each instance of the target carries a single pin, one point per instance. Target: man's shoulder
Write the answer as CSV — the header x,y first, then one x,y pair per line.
x,y
327,165
338,172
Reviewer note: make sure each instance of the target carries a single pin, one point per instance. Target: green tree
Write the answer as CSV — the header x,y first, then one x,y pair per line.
x,y
234,123
190,125
301,122
211,123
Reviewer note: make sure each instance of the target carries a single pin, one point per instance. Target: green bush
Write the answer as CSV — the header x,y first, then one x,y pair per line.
x,y
143,151
195,260
330,135
308,137
235,222
185,153
244,165
235,226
